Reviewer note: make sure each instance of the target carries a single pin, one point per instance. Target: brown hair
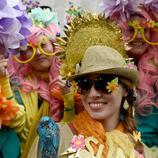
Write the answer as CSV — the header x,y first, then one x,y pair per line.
x,y
129,117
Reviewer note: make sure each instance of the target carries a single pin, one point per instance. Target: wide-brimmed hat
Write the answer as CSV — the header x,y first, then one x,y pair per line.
x,y
105,60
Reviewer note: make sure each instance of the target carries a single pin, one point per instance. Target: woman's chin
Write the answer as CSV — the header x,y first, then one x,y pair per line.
x,y
137,51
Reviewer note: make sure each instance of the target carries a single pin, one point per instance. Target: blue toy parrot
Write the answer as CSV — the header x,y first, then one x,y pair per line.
x,y
48,132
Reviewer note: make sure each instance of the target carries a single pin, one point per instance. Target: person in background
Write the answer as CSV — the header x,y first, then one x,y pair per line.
x,y
14,26
138,22
34,77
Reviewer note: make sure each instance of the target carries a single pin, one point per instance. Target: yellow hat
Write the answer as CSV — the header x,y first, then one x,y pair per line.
x,y
83,32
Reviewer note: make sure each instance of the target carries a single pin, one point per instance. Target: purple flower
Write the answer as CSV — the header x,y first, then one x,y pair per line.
x,y
31,5
111,7
14,25
119,9
152,5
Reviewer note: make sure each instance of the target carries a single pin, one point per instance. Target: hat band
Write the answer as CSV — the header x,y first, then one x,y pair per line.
x,y
98,68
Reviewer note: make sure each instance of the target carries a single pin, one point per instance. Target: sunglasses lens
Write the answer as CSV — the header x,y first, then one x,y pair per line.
x,y
100,84
84,85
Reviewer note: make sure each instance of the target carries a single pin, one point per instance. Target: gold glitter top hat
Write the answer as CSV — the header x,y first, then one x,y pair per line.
x,y
84,31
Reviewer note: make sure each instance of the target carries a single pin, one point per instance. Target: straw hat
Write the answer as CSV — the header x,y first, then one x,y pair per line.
x,y
105,60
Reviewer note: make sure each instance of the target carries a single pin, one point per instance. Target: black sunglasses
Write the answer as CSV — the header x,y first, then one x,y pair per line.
x,y
99,83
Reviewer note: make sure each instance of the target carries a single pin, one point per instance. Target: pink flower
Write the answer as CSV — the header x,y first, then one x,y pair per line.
x,y
139,155
78,142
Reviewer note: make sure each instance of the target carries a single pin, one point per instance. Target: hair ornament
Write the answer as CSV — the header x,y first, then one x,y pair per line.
x,y
43,17
113,85
137,136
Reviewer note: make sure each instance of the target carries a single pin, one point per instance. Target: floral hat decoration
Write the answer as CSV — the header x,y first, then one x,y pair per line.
x,y
45,22
14,25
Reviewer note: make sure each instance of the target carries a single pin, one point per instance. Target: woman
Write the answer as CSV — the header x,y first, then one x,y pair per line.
x,y
106,125
34,75
147,91
138,23
14,28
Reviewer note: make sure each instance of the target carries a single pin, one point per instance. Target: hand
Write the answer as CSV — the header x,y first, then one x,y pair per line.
x,y
62,85
3,66
60,82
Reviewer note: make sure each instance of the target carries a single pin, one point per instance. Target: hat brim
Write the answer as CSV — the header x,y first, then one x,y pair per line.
x,y
127,73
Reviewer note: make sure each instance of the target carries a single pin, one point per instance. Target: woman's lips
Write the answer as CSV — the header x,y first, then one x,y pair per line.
x,y
137,43
97,106
40,58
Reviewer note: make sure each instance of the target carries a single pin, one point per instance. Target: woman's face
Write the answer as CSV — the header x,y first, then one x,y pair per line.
x,y
100,105
138,45
41,62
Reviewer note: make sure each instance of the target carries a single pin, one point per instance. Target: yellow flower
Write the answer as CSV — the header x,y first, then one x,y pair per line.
x,y
113,85
74,87
136,24
137,136
151,24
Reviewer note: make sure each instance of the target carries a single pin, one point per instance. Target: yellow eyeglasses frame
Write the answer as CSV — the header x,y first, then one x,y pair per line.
x,y
34,53
137,27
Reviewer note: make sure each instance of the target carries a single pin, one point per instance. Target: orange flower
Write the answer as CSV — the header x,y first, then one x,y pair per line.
x,y
7,110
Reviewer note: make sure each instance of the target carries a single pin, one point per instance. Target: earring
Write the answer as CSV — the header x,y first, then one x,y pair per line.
x,y
135,95
125,105
133,111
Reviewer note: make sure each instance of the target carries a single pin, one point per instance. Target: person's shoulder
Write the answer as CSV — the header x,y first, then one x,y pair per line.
x,y
150,152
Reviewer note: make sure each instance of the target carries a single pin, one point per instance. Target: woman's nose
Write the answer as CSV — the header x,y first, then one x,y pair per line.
x,y
93,92
38,51
139,35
